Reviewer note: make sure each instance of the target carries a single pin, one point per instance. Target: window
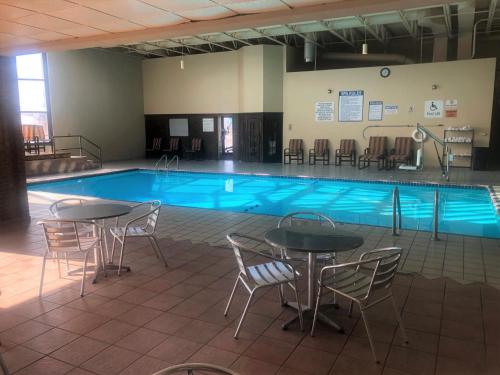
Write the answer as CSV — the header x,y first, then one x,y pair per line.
x,y
33,101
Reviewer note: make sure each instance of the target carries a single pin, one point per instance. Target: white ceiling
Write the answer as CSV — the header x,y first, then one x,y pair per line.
x,y
161,27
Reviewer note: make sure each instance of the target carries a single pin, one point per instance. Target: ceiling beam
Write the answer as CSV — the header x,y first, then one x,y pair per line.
x,y
142,51
410,27
377,31
189,46
341,9
491,15
271,38
234,37
329,27
162,48
447,20
294,30
215,43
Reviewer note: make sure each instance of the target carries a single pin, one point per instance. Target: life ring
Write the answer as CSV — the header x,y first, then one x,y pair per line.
x,y
418,136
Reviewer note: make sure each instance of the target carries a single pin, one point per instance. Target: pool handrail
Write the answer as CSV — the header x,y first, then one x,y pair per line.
x,y
396,212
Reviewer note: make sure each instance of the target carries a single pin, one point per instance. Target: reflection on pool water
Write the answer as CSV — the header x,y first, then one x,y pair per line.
x,y
464,210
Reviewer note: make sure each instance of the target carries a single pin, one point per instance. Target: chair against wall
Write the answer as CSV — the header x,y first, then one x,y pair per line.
x,y
402,153
274,272
63,237
295,151
366,283
195,150
155,147
173,146
320,152
346,152
376,151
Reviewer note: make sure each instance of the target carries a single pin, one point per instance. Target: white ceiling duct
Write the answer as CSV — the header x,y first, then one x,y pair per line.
x,y
309,48
372,57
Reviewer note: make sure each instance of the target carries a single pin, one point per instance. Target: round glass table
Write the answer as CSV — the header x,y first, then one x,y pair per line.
x,y
313,240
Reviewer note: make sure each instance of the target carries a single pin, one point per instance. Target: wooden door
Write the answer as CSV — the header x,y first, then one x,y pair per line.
x,y
250,137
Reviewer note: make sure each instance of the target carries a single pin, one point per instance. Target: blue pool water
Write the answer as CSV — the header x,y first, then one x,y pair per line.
x,y
462,210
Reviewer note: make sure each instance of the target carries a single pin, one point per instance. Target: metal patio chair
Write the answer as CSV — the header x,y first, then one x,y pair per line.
x,y
62,236
359,281
192,368
306,218
133,228
275,272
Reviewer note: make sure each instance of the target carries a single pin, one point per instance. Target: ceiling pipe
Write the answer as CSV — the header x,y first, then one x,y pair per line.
x,y
372,57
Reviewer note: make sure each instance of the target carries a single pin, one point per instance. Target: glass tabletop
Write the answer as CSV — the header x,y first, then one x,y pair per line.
x,y
317,239
93,211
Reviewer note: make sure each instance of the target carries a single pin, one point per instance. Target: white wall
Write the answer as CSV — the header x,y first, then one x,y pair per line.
x,y
98,94
471,82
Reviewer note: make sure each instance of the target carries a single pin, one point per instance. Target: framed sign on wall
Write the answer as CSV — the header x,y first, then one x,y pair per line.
x,y
351,105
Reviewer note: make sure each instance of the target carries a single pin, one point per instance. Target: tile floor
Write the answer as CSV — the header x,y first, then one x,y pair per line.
x,y
153,317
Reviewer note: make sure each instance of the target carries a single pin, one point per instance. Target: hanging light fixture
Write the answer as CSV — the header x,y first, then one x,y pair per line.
x,y
364,48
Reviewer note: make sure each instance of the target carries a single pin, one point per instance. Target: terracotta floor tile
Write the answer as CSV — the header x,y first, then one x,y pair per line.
x,y
391,371
24,331
88,302
79,351
114,290
290,371
163,302
112,331
46,366
270,350
139,315
421,323
84,323
311,360
183,290
137,296
225,340
33,309
360,348
460,349
9,320
254,323
381,332
168,323
422,341
250,366
411,361
51,340
58,316
142,341
111,360
20,357
62,296
212,355
145,366
113,308
79,371
198,331
175,350
449,366
347,365
463,331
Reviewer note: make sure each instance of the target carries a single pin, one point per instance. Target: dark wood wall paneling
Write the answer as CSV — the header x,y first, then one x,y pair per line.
x,y
254,135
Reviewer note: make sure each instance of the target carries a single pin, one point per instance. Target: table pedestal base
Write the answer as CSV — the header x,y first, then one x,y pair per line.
x,y
308,314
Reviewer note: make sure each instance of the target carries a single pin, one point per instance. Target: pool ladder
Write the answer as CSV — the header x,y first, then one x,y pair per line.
x,y
167,162
396,214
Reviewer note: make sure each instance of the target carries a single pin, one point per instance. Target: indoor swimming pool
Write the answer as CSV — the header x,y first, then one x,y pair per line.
x,y
462,210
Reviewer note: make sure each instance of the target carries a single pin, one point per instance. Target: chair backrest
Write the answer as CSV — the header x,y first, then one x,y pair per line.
x,y
154,213
386,263
346,146
295,145
238,250
320,146
174,143
403,146
156,143
377,145
61,235
305,218
67,202
196,144
191,368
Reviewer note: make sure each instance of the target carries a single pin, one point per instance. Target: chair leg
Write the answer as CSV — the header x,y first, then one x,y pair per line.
x,y
299,306
243,315
400,321
103,261
120,262
110,260
58,265
350,309
67,262
369,334
281,295
316,309
43,276
159,254
84,274
231,296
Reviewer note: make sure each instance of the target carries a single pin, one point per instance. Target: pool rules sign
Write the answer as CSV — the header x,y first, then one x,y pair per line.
x,y
323,111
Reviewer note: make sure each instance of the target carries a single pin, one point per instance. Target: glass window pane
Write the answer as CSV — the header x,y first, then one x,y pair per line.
x,y
32,96
35,125
30,66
